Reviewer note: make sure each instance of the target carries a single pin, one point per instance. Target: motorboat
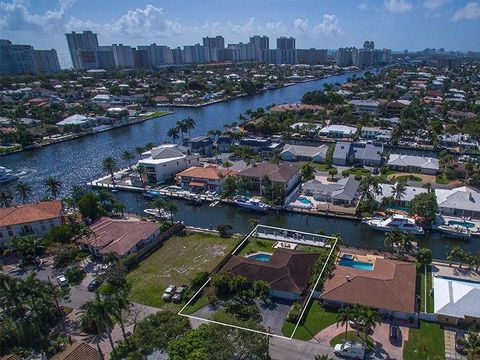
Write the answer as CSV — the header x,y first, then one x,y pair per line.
x,y
151,194
400,222
455,231
7,175
160,214
250,204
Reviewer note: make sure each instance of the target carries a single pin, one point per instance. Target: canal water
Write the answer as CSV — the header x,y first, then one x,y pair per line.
x,y
78,161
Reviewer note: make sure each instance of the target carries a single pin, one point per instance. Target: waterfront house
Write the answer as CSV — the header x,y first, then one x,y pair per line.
x,y
461,141
386,191
31,219
202,145
287,271
461,202
387,286
343,192
165,161
201,178
265,146
376,133
371,107
285,174
361,153
121,237
78,120
224,143
316,154
341,153
413,163
338,131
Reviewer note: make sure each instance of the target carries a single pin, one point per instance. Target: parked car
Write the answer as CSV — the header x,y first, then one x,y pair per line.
x,y
350,350
376,171
169,292
62,280
93,285
394,333
459,343
177,297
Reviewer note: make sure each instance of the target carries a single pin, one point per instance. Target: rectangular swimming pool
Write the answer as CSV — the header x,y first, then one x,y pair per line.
x,y
356,264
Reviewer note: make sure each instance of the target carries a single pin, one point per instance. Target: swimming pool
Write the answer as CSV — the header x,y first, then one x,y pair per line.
x,y
458,279
260,256
465,224
304,200
356,264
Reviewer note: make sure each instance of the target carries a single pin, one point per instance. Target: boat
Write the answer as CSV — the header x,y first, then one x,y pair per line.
x,y
162,214
7,175
250,204
400,222
194,200
151,194
455,231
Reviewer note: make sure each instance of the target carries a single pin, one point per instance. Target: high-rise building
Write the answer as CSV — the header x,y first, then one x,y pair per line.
x,y
344,57
141,58
105,57
369,45
83,50
286,43
312,56
261,42
177,56
46,61
362,58
122,55
217,42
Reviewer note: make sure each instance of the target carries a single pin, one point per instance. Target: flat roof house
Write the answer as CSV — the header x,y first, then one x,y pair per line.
x,y
389,287
262,145
165,161
202,145
122,237
316,154
343,192
287,271
338,131
285,174
36,219
412,163
365,106
200,178
376,133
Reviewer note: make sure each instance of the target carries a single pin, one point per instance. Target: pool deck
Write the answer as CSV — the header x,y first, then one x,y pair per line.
x,y
442,269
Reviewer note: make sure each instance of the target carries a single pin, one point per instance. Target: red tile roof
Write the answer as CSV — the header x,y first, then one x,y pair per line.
x,y
210,172
78,351
287,270
119,236
390,285
24,214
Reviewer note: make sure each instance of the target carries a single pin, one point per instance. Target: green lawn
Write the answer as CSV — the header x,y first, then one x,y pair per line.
x,y
199,302
351,336
357,171
427,342
155,114
254,245
319,167
316,319
426,302
409,178
176,262
442,179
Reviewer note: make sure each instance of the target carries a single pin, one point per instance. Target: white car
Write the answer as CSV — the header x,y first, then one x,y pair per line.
x,y
350,350
168,293
62,280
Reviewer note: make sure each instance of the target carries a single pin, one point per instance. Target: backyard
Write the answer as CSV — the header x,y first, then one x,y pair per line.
x,y
176,262
256,245
426,342
423,282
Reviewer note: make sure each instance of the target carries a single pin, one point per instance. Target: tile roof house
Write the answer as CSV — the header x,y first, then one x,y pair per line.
x,y
316,154
412,163
343,192
208,177
78,351
37,219
285,174
389,287
122,237
287,271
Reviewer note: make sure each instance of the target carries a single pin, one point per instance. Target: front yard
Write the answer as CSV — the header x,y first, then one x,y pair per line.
x,y
426,342
176,262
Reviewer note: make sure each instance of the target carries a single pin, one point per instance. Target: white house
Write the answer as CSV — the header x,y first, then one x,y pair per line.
x,y
412,163
165,161
338,131
306,153
461,201
365,106
32,219
76,119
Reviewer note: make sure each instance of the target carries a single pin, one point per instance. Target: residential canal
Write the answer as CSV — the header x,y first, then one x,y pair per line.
x,y
78,161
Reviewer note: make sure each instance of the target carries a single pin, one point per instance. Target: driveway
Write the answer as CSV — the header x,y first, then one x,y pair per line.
x,y
273,314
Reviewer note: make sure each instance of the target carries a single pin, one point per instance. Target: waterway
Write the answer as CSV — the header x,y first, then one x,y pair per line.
x,y
78,161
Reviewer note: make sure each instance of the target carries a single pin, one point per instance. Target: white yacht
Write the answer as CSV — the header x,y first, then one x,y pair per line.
x,y
7,175
400,222
455,231
251,204
162,214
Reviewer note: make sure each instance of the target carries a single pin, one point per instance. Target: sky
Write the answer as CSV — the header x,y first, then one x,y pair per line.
x,y
394,24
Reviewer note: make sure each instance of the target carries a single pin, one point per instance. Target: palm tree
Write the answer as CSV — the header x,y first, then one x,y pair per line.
x,y
393,238
6,198
399,190
371,319
227,164
139,150
24,191
96,314
456,254
182,127
471,341
173,133
171,208
149,146
119,303
141,171
128,156
190,125
159,204
344,315
53,186
110,164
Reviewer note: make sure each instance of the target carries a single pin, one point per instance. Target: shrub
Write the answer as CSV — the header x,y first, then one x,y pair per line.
x,y
165,226
198,280
130,261
74,275
345,173
242,312
294,313
358,177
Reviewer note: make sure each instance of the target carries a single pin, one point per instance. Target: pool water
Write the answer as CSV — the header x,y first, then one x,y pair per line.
x,y
356,264
260,257
465,224
458,279
305,201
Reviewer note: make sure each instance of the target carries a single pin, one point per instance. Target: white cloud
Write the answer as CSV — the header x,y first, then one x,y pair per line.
x,y
329,26
300,25
471,11
397,6
434,4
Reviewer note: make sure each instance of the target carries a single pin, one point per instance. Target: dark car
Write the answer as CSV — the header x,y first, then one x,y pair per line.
x,y
376,171
177,297
394,333
460,343
94,284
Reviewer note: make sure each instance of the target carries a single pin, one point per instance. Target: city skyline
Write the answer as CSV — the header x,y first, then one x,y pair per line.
x,y
396,24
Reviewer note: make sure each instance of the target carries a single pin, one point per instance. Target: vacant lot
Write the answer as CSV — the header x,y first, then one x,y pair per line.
x,y
176,262
426,342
